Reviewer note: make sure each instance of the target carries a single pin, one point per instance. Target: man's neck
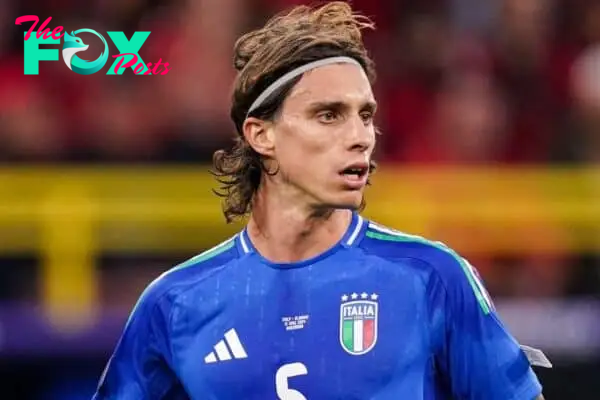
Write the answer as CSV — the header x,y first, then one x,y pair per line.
x,y
290,233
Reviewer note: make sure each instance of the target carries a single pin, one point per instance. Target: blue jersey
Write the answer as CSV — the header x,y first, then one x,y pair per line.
x,y
382,315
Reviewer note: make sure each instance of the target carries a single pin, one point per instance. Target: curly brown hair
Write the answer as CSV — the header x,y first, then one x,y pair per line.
x,y
287,41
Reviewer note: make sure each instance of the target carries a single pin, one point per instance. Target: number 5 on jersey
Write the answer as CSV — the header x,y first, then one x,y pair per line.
x,y
282,377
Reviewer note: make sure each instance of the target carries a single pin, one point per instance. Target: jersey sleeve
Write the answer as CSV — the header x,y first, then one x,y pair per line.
x,y
478,358
139,366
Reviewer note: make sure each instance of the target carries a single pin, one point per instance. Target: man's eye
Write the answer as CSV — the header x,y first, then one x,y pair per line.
x,y
327,116
366,116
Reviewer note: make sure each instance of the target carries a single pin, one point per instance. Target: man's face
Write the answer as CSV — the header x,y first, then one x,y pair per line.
x,y
324,136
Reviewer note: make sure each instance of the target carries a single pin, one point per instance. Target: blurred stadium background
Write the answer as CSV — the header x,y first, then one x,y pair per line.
x,y
491,119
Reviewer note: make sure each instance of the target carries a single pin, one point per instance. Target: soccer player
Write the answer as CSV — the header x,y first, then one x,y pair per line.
x,y
311,300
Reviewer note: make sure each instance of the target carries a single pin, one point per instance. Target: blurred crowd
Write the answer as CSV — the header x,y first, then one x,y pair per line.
x,y
460,81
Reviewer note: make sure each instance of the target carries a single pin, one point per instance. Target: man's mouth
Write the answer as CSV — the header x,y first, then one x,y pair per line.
x,y
355,175
356,170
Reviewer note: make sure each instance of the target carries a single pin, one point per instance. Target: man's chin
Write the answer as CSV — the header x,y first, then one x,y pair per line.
x,y
349,203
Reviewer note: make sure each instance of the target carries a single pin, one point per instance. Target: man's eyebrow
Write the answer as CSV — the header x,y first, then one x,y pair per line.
x,y
327,105
339,105
370,105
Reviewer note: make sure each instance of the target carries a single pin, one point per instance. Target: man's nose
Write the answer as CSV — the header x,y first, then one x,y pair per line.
x,y
360,135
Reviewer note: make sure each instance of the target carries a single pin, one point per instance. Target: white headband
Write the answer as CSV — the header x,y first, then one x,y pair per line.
x,y
294,73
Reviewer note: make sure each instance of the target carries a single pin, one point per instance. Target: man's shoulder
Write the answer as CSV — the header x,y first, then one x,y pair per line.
x,y
448,269
395,245
192,272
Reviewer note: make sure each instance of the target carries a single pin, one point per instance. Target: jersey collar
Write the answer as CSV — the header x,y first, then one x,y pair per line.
x,y
350,238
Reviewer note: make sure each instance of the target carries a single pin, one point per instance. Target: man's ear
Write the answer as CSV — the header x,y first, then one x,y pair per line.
x,y
259,134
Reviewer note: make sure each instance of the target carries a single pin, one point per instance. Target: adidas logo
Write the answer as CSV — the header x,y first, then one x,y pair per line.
x,y
222,351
